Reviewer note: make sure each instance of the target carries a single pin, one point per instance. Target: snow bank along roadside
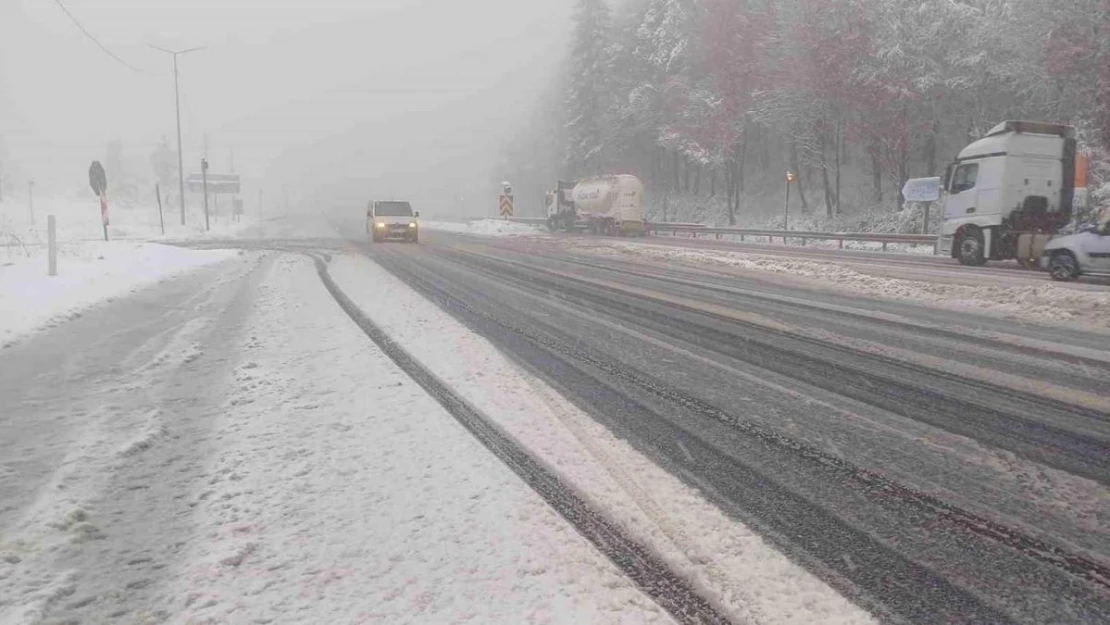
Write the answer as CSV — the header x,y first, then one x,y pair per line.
x,y
342,493
1046,303
485,227
88,273
726,559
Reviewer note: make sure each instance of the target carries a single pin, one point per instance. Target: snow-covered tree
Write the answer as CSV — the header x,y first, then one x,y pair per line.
x,y
856,95
589,98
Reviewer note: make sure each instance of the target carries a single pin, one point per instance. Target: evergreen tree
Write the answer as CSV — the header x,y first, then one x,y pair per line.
x,y
588,101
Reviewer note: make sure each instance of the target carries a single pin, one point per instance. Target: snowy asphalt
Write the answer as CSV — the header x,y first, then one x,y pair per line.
x,y
933,466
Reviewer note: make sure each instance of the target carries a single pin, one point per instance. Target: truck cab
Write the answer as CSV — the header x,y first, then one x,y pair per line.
x,y
1009,192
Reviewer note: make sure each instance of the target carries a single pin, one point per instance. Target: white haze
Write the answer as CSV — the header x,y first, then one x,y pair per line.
x,y
334,101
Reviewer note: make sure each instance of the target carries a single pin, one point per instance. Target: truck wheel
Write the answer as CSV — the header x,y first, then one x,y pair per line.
x,y
552,224
1063,267
970,251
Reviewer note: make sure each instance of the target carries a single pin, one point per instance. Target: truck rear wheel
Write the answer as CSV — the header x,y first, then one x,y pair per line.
x,y
1063,267
971,248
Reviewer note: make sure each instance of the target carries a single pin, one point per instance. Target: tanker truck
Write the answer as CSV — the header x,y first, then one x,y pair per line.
x,y
611,205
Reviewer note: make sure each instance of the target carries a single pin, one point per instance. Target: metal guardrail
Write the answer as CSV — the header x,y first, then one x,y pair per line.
x,y
697,230
797,235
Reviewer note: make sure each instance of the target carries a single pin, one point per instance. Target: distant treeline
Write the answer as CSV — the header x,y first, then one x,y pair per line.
x,y
720,97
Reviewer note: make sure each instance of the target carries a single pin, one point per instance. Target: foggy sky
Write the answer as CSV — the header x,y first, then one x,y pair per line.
x,y
336,98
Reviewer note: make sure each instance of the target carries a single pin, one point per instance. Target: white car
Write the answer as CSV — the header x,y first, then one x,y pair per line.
x,y
1082,254
392,220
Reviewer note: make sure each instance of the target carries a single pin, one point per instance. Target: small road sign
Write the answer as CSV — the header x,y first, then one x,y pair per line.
x,y
922,190
217,183
98,180
506,206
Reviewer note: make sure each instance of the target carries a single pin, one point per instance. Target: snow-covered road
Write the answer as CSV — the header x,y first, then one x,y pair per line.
x,y
519,430
247,455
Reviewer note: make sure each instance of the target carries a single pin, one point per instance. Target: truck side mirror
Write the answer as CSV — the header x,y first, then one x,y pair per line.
x,y
417,214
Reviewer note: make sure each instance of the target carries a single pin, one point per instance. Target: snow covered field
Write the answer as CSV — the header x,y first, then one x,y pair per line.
x,y
1041,301
78,219
90,270
89,273
732,564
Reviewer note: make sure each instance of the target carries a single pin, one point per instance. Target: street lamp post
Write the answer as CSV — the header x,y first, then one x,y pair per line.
x,y
177,107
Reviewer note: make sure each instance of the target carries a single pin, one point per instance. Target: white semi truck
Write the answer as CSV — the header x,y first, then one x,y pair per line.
x,y
1009,192
612,205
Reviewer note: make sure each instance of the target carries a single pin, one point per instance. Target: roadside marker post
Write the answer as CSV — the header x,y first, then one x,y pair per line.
x,y
104,214
52,246
204,180
98,180
790,178
506,206
161,220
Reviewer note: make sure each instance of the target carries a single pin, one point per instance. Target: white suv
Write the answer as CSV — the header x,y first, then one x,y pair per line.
x,y
392,220
1080,254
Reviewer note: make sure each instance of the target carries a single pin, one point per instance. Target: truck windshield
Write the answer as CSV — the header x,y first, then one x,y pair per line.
x,y
393,209
965,177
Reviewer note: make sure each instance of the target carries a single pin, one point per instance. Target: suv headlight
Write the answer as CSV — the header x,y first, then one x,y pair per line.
x,y
380,225
412,224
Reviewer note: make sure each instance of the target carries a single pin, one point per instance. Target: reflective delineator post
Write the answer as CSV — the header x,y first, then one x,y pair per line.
x,y
52,246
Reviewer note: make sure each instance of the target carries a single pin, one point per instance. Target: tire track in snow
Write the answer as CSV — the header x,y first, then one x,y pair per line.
x,y
672,592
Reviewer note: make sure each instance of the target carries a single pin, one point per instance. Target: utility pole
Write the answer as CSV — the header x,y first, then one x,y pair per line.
x,y
204,178
177,107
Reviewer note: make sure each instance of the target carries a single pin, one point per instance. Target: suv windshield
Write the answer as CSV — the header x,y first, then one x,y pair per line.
x,y
393,209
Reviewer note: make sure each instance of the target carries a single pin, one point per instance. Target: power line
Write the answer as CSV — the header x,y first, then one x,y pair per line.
x,y
95,40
